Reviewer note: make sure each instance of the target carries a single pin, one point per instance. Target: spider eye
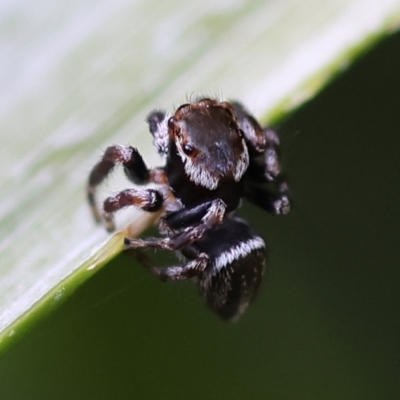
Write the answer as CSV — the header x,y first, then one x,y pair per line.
x,y
171,123
188,149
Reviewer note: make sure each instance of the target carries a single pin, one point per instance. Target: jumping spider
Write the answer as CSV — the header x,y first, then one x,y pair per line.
x,y
216,154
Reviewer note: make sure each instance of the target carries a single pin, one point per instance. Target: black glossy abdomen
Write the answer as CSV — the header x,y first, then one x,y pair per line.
x,y
237,262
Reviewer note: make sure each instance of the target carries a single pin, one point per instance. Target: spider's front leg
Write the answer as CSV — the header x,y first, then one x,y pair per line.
x,y
134,167
209,215
149,200
158,127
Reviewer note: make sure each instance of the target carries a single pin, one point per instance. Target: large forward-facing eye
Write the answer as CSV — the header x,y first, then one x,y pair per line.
x,y
188,149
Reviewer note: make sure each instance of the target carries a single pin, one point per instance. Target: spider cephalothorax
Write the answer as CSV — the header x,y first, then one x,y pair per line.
x,y
205,149
216,154
209,143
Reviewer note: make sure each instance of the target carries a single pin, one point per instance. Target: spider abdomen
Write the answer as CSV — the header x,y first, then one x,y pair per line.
x,y
237,262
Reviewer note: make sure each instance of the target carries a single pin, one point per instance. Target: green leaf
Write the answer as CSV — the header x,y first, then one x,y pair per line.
x,y
77,76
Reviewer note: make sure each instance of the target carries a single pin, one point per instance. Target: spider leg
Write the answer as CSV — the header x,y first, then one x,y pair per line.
x,y
265,165
212,217
184,217
278,204
252,130
158,127
134,167
181,272
149,200
191,269
263,145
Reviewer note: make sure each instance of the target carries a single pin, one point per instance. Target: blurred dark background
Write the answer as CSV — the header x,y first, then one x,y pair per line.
x,y
326,324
